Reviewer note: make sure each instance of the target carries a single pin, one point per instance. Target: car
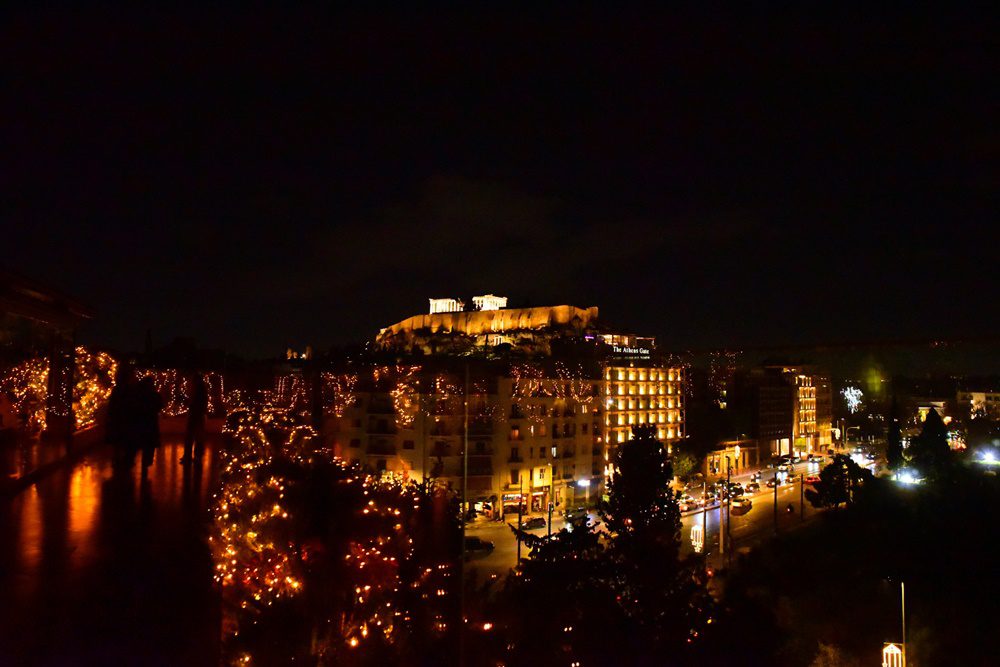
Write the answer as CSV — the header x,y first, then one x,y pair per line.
x,y
686,502
478,545
812,479
533,522
755,477
771,483
753,487
814,458
736,489
796,459
741,506
784,467
576,514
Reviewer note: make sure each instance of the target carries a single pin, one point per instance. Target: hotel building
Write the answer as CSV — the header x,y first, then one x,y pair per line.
x,y
542,428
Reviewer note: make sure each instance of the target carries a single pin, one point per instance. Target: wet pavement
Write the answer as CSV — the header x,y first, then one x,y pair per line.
x,y
99,566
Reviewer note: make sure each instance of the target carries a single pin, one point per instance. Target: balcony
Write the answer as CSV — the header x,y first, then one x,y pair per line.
x,y
480,470
480,428
440,450
381,407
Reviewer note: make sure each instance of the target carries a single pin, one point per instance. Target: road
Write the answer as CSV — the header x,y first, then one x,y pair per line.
x,y
758,523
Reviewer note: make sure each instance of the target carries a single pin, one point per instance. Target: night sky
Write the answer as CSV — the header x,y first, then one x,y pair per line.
x,y
272,179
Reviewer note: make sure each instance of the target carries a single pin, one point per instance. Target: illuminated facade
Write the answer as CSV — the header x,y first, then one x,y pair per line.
x,y
636,394
542,427
978,404
458,331
541,442
794,410
550,438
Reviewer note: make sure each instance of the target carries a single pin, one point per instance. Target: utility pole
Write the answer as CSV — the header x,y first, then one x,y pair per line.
x,y
729,513
465,449
775,501
802,497
902,609
552,489
722,532
704,516
520,505
465,511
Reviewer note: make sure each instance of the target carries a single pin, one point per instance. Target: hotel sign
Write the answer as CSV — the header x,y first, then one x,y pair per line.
x,y
630,351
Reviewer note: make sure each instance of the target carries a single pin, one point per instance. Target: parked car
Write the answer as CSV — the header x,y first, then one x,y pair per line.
x,y
478,545
533,522
753,487
576,514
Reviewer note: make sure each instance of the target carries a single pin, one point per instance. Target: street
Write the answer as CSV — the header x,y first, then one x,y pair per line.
x,y
758,523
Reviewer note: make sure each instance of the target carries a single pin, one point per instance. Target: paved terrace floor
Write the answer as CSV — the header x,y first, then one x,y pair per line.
x,y
101,567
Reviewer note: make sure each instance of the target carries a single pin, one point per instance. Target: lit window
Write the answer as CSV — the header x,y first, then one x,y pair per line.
x,y
621,403
621,375
621,436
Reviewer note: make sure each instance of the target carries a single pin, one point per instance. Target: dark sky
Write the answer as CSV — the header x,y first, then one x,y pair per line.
x,y
262,179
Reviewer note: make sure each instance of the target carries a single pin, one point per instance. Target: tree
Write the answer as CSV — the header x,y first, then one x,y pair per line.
x,y
640,500
663,599
683,464
561,608
623,597
894,451
321,563
929,452
838,483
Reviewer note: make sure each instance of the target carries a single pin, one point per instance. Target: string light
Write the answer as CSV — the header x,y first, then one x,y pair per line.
x,y
262,557
27,387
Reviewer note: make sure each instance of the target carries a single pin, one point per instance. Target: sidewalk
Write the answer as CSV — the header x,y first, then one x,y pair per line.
x,y
99,566
26,459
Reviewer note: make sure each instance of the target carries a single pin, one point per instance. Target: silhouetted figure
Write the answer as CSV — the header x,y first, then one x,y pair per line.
x,y
120,424
147,413
194,434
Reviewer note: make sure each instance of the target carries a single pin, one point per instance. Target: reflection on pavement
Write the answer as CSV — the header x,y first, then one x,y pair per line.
x,y
100,564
